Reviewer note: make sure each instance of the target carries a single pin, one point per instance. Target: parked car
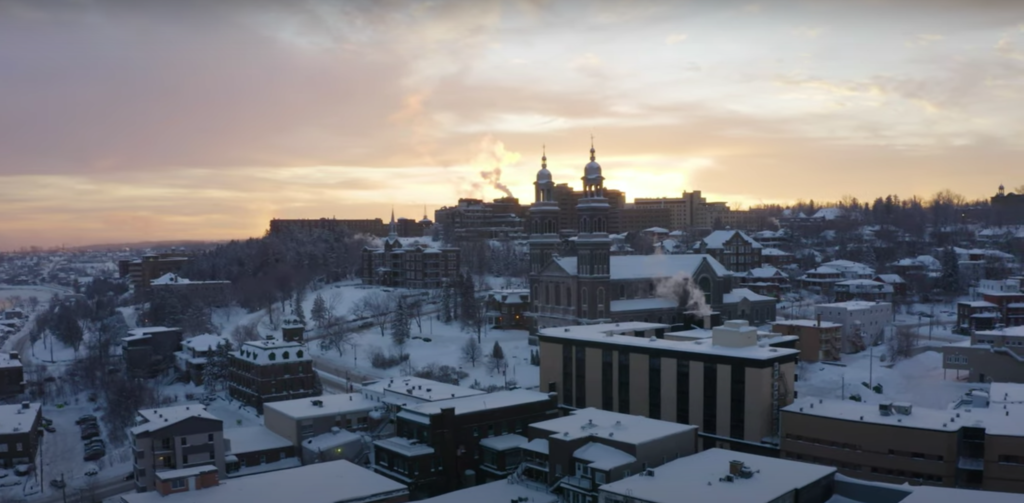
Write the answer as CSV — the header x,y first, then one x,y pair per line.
x,y
94,441
85,418
57,484
93,455
22,470
49,428
90,433
91,470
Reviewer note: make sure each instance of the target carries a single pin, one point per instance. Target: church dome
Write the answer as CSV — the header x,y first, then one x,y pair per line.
x,y
592,169
543,175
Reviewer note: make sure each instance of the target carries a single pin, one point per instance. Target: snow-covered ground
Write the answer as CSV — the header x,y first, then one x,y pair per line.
x,y
444,348
49,350
919,380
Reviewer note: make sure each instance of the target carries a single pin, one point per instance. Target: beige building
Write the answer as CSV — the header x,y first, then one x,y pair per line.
x,y
978,443
304,418
731,386
174,439
819,340
991,356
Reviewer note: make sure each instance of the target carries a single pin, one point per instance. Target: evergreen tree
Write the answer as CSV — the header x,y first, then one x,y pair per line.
x,y
497,357
319,311
297,311
950,280
446,302
400,326
870,259
217,368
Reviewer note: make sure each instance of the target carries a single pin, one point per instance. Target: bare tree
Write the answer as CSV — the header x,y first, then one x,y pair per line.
x,y
245,332
901,344
414,308
378,307
336,334
471,351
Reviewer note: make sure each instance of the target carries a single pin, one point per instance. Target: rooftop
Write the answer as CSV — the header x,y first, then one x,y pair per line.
x,y
500,490
331,482
650,266
154,419
146,332
423,389
272,351
332,439
324,405
854,305
738,294
807,323
603,457
15,418
470,404
185,472
503,442
7,361
205,342
254,438
405,446
1017,331
928,494
717,239
642,304
588,334
774,251
700,477
625,428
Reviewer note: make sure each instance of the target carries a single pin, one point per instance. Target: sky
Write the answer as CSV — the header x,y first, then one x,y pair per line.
x,y
149,120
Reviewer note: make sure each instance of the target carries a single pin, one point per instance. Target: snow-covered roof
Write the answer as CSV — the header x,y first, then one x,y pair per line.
x,y
6,361
15,418
145,332
620,427
929,494
823,270
891,278
503,442
498,491
650,266
1017,331
853,305
764,272
717,239
185,472
603,457
477,403
272,351
538,445
656,230
861,282
829,213
328,482
690,347
205,342
423,389
738,294
332,405
807,323
332,439
698,477
155,419
254,438
642,304
978,303
405,446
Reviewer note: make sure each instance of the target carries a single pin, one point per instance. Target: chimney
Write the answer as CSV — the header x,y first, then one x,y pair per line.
x,y
735,467
26,405
819,320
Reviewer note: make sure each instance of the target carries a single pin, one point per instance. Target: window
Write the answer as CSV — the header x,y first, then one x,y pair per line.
x,y
272,357
582,470
209,437
184,459
581,377
476,431
178,484
623,382
599,477
682,391
606,380
567,375
710,398
737,402
3,447
286,355
654,387
17,447
184,440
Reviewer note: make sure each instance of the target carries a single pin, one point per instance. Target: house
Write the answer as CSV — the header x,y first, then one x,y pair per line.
x,y
301,419
777,258
721,476
899,286
12,314
863,322
256,449
438,444
270,371
772,239
176,438
149,351
850,269
728,386
191,360
579,453
12,375
19,441
862,289
821,279
819,340
991,356
974,315
397,392
1008,298
506,309
332,482
976,443
734,249
765,280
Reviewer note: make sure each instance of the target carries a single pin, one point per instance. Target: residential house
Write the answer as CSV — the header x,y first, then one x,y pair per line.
x,y
1008,298
765,280
821,279
777,258
149,351
172,439
862,289
974,315
19,438
899,286
257,448
191,360
734,249
507,309
850,269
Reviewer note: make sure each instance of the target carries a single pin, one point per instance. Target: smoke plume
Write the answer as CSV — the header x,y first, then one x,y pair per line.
x,y
493,155
683,290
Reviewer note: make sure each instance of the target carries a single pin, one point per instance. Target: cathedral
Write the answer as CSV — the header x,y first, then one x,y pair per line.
x,y
597,287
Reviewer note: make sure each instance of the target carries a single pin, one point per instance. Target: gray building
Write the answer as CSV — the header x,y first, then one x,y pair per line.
x,y
175,438
149,351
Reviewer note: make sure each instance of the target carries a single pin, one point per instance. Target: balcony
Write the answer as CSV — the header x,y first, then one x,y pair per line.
x,y
536,464
581,483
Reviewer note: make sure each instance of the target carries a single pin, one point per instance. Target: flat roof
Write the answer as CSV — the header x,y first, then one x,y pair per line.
x,y
504,442
603,457
331,482
498,491
205,342
854,304
706,347
928,494
344,403
7,361
1017,331
159,418
424,389
698,476
591,422
185,472
405,446
470,404
254,438
807,323
15,418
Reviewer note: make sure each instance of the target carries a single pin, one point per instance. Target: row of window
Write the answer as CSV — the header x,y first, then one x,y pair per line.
x,y
859,448
924,477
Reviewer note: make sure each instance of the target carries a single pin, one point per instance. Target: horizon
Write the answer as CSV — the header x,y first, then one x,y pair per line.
x,y
189,121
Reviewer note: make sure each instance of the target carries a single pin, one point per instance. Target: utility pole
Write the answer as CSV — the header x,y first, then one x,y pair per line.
x,y
63,488
931,323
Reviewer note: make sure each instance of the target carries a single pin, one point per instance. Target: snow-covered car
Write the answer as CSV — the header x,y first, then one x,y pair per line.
x,y
22,470
91,470
57,484
10,483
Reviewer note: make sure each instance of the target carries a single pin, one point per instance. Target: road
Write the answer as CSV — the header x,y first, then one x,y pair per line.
x,y
99,491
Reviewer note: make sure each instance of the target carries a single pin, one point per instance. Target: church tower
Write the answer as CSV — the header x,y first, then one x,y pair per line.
x,y
593,244
543,222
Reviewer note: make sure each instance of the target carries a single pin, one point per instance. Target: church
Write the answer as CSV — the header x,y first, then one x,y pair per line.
x,y
597,287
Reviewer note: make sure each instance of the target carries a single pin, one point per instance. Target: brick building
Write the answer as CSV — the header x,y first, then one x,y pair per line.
x,y
270,371
819,340
12,375
734,249
140,272
301,419
408,266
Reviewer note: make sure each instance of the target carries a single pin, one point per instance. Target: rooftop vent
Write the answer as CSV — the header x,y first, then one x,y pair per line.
x,y
885,409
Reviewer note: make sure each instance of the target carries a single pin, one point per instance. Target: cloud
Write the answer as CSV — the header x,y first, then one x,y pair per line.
x,y
807,31
675,38
924,40
1008,48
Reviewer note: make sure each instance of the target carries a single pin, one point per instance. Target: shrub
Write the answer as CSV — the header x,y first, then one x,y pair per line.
x,y
427,339
441,373
379,360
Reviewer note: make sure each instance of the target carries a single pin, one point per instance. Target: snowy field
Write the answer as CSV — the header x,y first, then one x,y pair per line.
x,y
918,380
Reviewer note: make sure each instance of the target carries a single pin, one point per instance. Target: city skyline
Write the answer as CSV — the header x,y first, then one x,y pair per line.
x,y
156,121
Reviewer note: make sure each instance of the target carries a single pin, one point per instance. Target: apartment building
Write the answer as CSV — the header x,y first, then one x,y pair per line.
x,y
19,441
172,439
862,289
140,272
397,392
304,418
191,360
819,340
438,444
977,443
634,218
270,371
731,386
588,448
149,351
863,322
718,475
991,356
211,293
1007,297
734,249
12,375
691,211
408,266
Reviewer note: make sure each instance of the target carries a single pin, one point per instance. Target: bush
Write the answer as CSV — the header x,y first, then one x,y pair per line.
x,y
379,360
855,397
441,373
877,389
427,339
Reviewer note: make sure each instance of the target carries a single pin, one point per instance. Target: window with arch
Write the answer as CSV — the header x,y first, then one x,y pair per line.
x,y
534,298
548,297
600,302
298,354
584,310
568,296
705,286
272,356
584,224
286,355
